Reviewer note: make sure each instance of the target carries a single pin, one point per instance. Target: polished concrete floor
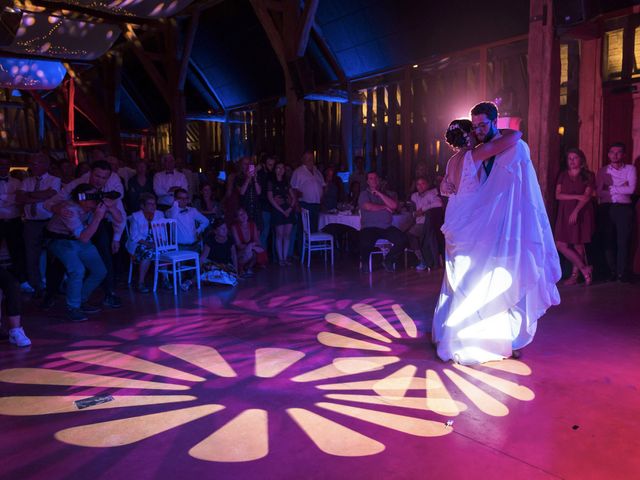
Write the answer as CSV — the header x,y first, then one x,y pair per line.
x,y
319,374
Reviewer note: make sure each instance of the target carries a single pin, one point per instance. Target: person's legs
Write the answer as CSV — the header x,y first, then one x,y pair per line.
x,y
399,240
368,237
266,228
280,250
286,236
622,218
102,241
314,215
10,290
414,236
15,244
433,241
34,241
577,260
143,268
92,262
67,252
608,230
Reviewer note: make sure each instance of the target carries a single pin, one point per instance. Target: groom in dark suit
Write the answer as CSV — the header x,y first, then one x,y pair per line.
x,y
484,118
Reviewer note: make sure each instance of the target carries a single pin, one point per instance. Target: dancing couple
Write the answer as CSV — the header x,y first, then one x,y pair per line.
x,y
501,262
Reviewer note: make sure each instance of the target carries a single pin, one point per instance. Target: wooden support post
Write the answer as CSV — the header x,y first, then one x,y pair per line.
x,y
112,104
71,121
544,96
590,102
346,126
405,130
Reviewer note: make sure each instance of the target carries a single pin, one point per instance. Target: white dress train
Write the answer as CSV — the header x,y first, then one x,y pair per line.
x,y
501,262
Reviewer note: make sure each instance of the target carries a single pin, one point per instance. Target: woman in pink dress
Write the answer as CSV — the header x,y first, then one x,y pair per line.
x,y
575,223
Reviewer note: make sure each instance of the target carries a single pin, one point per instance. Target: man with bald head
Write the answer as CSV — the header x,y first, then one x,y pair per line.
x,y
309,182
33,192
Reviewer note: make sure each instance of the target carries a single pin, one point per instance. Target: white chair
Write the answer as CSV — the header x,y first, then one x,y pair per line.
x,y
167,254
313,242
381,247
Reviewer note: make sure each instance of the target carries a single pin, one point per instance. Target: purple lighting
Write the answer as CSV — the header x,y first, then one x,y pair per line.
x,y
24,74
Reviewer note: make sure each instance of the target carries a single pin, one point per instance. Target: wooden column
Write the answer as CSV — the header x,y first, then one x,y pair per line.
x,y
590,102
405,130
346,127
544,96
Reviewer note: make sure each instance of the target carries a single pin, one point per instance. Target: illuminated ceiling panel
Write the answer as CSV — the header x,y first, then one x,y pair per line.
x,y
137,8
56,37
30,74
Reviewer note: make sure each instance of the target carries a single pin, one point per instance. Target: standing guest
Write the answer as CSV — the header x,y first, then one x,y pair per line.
x,y
247,240
116,167
575,223
11,223
359,176
193,179
424,233
190,222
33,192
308,180
265,175
107,238
138,184
140,243
615,183
10,290
282,201
231,200
207,204
249,190
376,209
333,190
166,182
70,233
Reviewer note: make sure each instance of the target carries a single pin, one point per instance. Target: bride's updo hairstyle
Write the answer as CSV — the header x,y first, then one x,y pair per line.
x,y
458,132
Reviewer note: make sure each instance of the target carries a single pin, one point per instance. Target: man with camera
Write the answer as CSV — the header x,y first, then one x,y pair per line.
x,y
70,232
107,236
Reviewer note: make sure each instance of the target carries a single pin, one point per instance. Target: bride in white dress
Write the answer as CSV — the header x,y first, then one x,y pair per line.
x,y
501,263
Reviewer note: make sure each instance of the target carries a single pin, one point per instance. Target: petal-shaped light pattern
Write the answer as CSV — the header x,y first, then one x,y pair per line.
x,y
333,438
395,385
346,366
507,387
340,341
510,366
481,399
45,376
243,439
401,423
272,361
125,431
41,405
407,322
371,314
122,361
207,358
349,324
416,384
438,398
415,403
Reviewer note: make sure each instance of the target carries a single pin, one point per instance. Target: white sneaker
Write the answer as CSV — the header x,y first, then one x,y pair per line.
x,y
18,338
26,288
421,267
186,285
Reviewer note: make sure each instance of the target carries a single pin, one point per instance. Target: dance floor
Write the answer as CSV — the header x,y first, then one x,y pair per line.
x,y
314,374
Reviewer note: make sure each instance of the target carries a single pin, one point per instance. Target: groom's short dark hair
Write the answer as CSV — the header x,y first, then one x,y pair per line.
x,y
488,108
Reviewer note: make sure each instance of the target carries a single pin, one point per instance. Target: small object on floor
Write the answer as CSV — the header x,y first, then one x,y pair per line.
x,y
422,267
76,315
88,308
185,286
26,288
449,423
516,354
112,301
575,427
142,288
18,338
91,401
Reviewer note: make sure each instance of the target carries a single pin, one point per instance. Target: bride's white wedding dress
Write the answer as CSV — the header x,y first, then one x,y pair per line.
x,y
501,262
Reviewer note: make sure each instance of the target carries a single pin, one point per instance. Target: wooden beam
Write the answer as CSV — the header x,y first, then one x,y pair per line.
x,y
150,68
308,16
186,50
57,122
100,15
273,34
328,54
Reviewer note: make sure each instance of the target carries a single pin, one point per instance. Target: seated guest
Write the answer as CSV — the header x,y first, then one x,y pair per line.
x,y
575,223
207,203
219,262
140,243
615,183
376,210
10,290
138,184
70,233
333,190
420,172
283,215
190,222
424,201
167,181
247,240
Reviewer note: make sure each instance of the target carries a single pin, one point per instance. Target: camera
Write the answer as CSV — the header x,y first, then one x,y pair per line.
x,y
97,196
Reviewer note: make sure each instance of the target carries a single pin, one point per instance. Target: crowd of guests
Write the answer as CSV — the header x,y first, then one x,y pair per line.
x,y
76,218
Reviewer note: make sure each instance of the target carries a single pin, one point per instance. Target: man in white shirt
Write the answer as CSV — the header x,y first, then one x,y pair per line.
x,y
190,222
166,182
308,180
11,223
615,183
33,192
423,235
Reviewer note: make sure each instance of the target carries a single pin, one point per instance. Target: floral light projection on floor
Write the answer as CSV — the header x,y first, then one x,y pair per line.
x,y
246,437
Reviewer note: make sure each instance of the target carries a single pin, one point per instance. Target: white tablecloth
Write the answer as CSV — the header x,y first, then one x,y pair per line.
x,y
402,221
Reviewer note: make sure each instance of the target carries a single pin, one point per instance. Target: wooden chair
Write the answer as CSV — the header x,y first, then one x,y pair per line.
x,y
313,242
168,259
